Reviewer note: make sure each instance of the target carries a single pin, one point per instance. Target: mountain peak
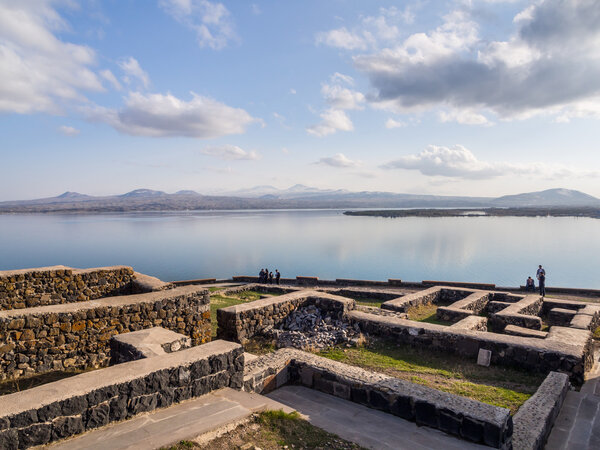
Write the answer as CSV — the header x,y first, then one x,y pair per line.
x,y
143,193
72,195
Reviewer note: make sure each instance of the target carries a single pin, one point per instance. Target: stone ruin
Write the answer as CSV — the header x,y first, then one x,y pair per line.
x,y
149,340
310,328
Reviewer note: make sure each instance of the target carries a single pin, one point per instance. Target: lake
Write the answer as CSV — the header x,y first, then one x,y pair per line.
x,y
324,243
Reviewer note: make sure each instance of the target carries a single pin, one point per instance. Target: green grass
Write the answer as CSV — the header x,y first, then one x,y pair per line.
x,y
215,288
596,333
249,295
500,386
369,302
425,313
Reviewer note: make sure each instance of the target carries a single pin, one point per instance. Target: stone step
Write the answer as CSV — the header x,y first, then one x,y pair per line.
x,y
184,421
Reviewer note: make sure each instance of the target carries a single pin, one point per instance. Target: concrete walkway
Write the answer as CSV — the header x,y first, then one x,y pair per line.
x,y
364,426
184,421
578,423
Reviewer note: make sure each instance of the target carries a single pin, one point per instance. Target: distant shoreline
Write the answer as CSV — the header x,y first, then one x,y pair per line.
x,y
593,213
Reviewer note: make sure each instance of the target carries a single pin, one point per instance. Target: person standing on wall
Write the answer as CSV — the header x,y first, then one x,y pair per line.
x,y
542,283
540,271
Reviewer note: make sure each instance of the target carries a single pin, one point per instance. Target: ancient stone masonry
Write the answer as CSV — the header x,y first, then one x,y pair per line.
x,y
146,343
533,421
241,322
567,350
523,313
60,284
460,416
76,335
474,303
73,405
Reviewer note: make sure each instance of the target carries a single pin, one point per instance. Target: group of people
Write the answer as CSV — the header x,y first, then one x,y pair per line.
x,y
541,276
267,277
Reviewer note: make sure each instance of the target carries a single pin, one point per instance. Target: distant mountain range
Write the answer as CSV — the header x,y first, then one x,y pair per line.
x,y
298,196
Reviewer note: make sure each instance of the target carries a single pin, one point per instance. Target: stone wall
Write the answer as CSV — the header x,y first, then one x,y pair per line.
x,y
587,318
566,350
523,313
73,405
434,295
241,322
460,416
475,303
534,419
426,297
59,284
76,335
471,323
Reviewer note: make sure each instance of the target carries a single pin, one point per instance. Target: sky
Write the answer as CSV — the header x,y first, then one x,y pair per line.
x,y
457,97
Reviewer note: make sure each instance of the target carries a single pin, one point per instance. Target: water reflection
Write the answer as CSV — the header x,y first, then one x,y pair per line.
x,y
504,250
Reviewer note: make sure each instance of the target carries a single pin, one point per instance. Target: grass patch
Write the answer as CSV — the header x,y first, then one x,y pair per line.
x,y
425,313
249,296
368,302
500,386
275,430
215,288
596,334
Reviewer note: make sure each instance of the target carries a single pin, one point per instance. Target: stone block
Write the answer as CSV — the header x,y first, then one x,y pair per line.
x,y
449,422
403,407
9,439
97,416
472,429
63,427
426,414
37,434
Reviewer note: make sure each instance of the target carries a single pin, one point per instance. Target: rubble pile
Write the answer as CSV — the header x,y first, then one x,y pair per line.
x,y
307,328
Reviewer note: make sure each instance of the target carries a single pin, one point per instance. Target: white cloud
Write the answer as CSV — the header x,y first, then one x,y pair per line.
x,y
293,91
464,117
459,162
339,98
230,153
210,20
166,115
338,160
68,131
110,77
550,65
372,30
393,123
256,9
342,98
38,71
344,39
132,69
332,120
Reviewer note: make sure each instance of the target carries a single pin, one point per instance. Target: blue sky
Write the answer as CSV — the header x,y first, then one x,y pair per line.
x,y
465,97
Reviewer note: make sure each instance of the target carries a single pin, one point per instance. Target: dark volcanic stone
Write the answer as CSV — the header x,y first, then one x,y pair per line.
x,y
64,427
37,434
97,417
425,414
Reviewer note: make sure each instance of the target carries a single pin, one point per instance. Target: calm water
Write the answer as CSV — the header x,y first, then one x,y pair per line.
x,y
502,250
